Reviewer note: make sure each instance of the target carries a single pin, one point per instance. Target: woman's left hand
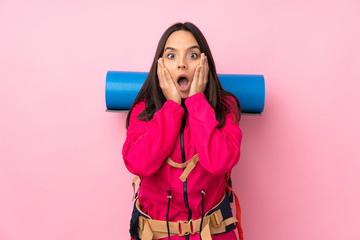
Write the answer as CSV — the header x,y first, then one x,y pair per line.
x,y
200,78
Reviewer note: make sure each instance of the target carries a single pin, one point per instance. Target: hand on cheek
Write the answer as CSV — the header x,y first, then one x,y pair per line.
x,y
200,78
166,83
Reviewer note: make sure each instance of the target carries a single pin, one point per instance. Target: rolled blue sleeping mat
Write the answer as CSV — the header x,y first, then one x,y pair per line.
x,y
122,88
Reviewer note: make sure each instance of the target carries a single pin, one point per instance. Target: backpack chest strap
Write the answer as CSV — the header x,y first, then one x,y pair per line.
x,y
188,165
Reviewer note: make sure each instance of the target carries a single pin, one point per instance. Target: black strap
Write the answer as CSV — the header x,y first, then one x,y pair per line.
x,y
202,210
167,214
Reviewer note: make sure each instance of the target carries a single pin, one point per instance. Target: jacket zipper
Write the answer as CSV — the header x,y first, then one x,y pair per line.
x,y
182,146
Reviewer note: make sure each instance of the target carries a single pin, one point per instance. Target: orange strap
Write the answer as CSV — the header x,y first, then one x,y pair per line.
x,y
238,214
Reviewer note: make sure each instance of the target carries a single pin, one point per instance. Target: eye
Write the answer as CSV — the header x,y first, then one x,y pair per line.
x,y
193,55
170,55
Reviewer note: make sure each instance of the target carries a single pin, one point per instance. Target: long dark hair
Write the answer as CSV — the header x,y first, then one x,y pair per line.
x,y
219,99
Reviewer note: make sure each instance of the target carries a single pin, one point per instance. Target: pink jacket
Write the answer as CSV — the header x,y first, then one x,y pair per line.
x,y
148,144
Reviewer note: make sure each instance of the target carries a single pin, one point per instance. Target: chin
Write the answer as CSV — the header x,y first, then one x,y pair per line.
x,y
184,96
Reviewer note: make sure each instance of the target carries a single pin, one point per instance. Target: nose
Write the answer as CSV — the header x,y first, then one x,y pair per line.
x,y
182,64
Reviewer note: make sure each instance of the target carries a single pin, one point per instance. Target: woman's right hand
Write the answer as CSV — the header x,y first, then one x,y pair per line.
x,y
166,83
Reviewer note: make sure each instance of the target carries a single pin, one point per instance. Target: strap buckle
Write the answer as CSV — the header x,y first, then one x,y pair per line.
x,y
186,227
216,218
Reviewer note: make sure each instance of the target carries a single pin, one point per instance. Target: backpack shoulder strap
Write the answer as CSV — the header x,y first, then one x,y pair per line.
x,y
135,194
237,203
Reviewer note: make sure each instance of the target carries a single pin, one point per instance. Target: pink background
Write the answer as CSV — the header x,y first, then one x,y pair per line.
x,y
61,170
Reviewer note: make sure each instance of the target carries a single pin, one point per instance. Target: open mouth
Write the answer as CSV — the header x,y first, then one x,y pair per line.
x,y
183,82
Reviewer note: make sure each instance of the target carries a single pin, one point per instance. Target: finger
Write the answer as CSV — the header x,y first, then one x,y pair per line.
x,y
162,63
159,72
201,75
206,69
170,82
206,63
203,68
167,76
196,75
165,79
159,66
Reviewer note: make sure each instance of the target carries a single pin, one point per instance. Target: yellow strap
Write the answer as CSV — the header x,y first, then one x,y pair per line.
x,y
189,168
177,165
147,233
188,165
180,165
205,233
158,228
230,220
133,185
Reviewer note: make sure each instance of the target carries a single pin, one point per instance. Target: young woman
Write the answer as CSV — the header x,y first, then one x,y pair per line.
x,y
183,139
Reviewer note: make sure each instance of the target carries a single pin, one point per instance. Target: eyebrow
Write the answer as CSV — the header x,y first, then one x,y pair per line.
x,y
192,47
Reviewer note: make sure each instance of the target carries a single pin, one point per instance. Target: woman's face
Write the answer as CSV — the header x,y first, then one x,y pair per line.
x,y
181,57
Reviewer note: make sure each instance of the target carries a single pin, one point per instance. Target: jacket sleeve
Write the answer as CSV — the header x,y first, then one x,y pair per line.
x,y
218,149
148,144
